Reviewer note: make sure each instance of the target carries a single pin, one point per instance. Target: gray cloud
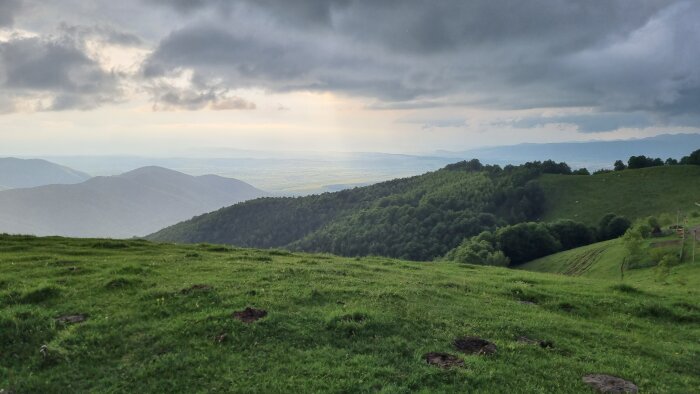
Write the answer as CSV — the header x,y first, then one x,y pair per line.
x,y
8,11
167,97
635,57
104,33
590,123
625,55
32,69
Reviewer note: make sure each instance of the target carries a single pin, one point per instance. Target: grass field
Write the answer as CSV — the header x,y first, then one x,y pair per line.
x,y
632,193
158,318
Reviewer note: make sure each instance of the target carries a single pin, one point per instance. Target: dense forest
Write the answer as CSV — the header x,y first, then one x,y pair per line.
x,y
418,218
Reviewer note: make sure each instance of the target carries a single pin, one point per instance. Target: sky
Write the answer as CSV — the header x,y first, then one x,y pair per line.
x,y
193,77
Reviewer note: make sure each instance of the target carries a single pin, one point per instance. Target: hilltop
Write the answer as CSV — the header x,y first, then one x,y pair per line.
x,y
132,204
21,173
124,316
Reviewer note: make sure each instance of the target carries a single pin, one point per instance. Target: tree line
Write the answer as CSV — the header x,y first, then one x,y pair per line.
x,y
522,242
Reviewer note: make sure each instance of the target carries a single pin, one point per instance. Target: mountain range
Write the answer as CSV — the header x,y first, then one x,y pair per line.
x,y
21,173
590,154
131,204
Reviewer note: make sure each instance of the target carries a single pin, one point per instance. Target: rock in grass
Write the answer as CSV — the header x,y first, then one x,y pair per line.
x,y
72,319
609,384
443,360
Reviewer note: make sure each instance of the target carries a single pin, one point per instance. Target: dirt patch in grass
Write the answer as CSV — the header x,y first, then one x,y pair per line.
x,y
443,360
250,315
609,384
196,288
72,319
474,345
530,341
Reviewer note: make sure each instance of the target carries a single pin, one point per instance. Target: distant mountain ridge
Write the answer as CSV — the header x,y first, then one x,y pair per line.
x,y
21,173
132,204
591,154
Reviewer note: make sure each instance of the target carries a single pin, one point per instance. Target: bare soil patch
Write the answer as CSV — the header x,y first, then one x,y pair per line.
x,y
250,315
443,360
609,384
474,345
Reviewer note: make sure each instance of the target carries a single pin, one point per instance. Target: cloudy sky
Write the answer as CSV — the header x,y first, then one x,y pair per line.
x,y
176,77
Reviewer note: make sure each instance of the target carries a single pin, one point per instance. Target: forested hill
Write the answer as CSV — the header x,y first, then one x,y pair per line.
x,y
418,218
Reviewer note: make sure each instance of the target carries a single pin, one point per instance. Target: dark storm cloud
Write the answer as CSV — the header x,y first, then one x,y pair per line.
x,y
57,68
625,55
611,57
8,11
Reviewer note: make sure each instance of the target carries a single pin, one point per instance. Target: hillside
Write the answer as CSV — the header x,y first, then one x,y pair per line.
x,y
132,204
602,260
125,316
424,217
22,173
418,218
632,193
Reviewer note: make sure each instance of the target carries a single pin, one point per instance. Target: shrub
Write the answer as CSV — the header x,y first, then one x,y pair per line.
x,y
481,249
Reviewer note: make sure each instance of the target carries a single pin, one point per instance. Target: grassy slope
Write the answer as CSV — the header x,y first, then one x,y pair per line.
x,y
633,193
602,261
144,335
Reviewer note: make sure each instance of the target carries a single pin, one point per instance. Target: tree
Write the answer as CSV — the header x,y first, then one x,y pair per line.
x,y
633,242
571,234
671,161
663,269
612,226
581,171
617,227
526,241
619,165
693,158
481,249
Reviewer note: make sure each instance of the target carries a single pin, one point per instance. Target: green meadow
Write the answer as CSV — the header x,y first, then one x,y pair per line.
x,y
632,193
160,318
